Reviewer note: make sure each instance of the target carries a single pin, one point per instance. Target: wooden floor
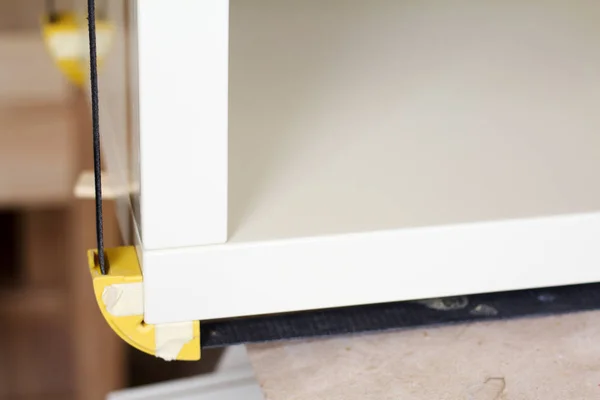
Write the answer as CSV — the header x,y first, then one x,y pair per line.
x,y
555,357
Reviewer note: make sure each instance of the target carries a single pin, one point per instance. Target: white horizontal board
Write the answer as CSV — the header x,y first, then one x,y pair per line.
x,y
301,274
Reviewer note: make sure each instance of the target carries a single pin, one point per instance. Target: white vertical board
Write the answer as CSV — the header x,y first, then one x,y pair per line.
x,y
183,119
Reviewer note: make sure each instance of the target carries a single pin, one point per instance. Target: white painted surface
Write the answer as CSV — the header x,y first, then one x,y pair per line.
x,y
363,116
183,119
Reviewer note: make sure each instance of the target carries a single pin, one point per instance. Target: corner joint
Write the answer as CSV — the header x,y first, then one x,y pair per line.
x,y
120,297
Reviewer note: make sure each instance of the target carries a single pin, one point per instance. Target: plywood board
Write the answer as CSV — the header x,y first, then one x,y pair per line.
x,y
543,358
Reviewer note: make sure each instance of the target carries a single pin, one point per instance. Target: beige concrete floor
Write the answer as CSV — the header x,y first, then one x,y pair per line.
x,y
555,357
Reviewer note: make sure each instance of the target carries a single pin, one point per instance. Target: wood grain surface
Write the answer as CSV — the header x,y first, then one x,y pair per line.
x,y
555,357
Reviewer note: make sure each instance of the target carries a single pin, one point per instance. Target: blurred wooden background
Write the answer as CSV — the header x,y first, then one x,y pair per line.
x,y
54,343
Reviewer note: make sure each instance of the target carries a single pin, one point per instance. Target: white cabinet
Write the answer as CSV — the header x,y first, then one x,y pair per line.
x,y
370,151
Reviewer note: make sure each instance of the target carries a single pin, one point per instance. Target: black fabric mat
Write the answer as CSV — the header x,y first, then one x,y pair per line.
x,y
401,315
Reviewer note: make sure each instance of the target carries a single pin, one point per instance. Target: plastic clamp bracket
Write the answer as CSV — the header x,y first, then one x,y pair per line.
x,y
120,297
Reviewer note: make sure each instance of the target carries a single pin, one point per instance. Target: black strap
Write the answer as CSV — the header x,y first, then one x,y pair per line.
x,y
402,315
96,134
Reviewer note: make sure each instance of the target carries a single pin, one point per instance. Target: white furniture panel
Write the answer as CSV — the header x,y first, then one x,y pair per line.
x,y
377,151
371,267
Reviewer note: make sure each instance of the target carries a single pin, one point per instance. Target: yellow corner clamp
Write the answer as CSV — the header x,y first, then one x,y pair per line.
x,y
124,269
67,42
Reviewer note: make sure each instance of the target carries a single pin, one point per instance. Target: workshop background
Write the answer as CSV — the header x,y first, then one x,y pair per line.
x,y
54,344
